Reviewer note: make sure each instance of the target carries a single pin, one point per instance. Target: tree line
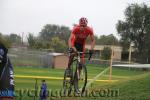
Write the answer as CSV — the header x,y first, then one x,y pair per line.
x,y
136,29
7,40
56,37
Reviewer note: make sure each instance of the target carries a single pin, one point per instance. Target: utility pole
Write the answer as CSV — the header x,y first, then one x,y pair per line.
x,y
22,37
129,59
111,62
130,51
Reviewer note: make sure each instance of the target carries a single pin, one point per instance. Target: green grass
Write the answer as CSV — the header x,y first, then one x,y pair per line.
x,y
137,88
132,84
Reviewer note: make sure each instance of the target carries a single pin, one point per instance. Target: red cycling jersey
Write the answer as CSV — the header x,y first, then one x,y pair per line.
x,y
80,35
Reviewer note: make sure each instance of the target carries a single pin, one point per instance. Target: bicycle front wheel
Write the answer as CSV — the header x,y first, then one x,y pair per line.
x,y
81,79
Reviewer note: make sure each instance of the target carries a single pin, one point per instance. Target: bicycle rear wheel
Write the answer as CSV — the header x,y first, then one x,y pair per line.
x,y
67,83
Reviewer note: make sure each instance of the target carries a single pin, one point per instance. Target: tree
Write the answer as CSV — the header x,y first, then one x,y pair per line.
x,y
58,45
88,40
135,29
104,40
14,38
106,53
50,31
107,40
64,33
31,40
54,37
5,40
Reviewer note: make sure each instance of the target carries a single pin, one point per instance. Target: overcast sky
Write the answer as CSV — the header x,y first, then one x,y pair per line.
x,y
17,16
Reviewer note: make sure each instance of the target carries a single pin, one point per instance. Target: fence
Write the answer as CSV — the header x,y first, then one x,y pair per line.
x,y
35,58
29,58
106,62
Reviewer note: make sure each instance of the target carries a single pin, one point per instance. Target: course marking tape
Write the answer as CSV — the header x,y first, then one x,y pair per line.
x,y
96,77
57,78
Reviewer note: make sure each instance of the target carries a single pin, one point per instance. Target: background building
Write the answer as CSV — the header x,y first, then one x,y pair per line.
x,y
99,48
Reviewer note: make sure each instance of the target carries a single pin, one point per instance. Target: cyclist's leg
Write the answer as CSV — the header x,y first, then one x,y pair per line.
x,y
68,70
79,48
70,61
82,60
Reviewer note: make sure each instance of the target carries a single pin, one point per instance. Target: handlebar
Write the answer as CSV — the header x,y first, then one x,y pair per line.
x,y
80,53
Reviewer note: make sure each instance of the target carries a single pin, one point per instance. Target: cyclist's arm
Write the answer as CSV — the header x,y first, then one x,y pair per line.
x,y
71,42
92,41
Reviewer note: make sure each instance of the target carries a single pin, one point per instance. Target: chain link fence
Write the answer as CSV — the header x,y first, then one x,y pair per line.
x,y
30,58
35,58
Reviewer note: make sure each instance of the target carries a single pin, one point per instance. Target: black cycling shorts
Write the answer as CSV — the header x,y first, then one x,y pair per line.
x,y
79,47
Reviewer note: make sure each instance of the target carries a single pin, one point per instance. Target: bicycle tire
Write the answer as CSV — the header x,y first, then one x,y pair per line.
x,y
84,87
77,82
67,83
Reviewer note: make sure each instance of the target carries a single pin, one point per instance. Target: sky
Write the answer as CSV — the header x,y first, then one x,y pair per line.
x,y
24,16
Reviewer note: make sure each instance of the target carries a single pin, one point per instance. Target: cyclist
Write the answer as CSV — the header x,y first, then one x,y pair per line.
x,y
77,41
6,75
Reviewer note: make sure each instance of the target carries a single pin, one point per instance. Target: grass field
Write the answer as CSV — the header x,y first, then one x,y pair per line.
x,y
132,84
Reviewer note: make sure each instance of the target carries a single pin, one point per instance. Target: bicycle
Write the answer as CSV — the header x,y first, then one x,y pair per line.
x,y
78,77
